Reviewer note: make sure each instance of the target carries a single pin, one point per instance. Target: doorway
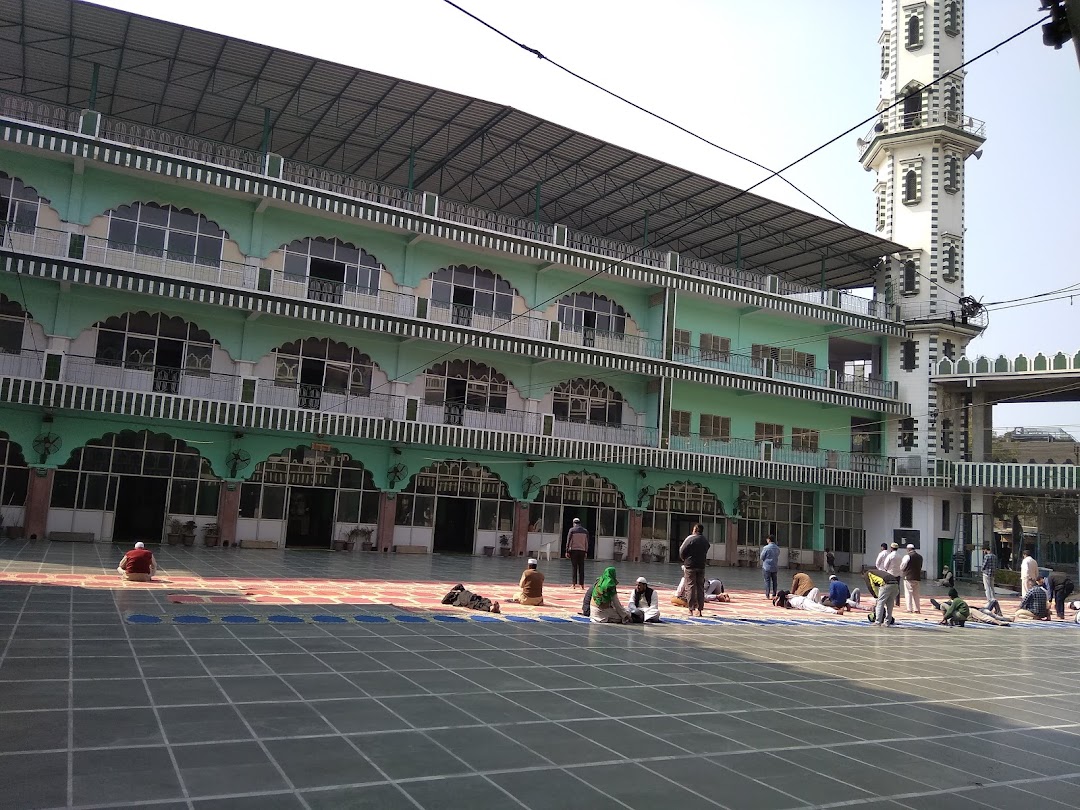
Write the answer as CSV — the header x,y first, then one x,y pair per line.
x,y
455,526
310,518
140,509
944,557
588,520
681,528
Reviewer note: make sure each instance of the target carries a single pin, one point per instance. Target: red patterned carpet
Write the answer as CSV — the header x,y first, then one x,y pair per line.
x,y
415,595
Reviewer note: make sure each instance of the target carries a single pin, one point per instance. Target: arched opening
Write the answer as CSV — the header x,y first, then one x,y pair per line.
x,y
674,511
588,402
911,186
470,296
15,334
786,515
591,315
590,498
952,173
913,107
14,479
913,31
910,273
129,485
457,387
307,497
19,204
331,269
948,262
164,231
319,374
149,351
455,507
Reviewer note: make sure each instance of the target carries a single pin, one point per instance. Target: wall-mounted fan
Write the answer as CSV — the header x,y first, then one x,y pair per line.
x,y
46,444
237,460
528,485
397,473
644,494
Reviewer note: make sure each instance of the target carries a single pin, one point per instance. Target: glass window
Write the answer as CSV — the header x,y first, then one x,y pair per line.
x,y
592,311
590,401
350,268
182,497
273,503
209,494
155,230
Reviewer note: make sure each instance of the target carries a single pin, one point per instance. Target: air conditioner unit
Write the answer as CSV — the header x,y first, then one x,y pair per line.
x,y
766,451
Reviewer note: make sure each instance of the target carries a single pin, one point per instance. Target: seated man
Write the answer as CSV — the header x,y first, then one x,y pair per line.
x,y
808,602
532,586
138,564
955,612
946,580
801,584
459,597
840,596
1036,604
644,605
714,592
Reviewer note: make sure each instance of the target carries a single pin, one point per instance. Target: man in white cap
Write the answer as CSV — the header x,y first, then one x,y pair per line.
x,y
644,606
532,586
138,564
911,571
893,560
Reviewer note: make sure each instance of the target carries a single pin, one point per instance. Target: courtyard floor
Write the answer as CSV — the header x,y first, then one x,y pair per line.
x,y
264,679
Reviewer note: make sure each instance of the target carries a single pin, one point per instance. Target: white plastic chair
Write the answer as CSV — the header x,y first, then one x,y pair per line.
x,y
545,549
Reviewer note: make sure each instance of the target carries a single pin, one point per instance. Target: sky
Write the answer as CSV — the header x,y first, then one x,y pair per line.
x,y
770,81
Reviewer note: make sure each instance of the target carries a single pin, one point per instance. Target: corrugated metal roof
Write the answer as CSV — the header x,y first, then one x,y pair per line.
x,y
470,150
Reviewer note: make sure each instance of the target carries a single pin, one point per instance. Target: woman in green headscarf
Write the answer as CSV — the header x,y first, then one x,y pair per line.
x,y
605,600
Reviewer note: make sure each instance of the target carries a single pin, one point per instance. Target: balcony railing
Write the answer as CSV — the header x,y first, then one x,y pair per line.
x,y
610,341
318,398
944,311
749,449
897,120
348,295
500,324
20,108
460,415
608,434
866,386
477,217
151,378
722,361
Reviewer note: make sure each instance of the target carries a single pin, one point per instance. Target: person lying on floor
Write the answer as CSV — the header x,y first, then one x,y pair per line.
x,y
714,592
459,597
808,602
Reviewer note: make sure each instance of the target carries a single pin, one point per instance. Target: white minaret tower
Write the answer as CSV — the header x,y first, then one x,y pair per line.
x,y
918,150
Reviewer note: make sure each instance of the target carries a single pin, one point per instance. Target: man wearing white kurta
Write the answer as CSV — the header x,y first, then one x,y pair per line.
x,y
1029,573
644,605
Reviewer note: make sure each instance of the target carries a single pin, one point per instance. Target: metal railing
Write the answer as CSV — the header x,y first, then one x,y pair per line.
x,y
460,415
498,323
151,378
867,386
723,361
477,217
722,272
943,311
610,341
318,398
608,434
337,292
750,449
349,185
897,120
214,152
189,146
615,249
58,116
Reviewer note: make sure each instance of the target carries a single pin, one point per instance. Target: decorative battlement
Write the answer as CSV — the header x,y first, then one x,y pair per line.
x,y
1021,364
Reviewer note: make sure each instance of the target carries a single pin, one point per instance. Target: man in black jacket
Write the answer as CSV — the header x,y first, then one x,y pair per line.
x,y
693,553
1059,585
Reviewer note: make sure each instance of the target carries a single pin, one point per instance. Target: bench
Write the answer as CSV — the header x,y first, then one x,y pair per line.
x,y
411,549
71,537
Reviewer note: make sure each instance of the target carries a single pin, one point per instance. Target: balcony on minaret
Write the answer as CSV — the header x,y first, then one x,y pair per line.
x,y
907,120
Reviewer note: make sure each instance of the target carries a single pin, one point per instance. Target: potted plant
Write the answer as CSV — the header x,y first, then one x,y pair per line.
x,y
188,532
489,551
504,545
362,535
658,551
210,535
174,533
12,530
620,547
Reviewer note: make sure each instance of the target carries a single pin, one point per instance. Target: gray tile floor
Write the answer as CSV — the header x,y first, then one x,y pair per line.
x,y
98,712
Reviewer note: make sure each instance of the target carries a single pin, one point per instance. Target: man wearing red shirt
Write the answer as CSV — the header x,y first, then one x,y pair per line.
x,y
138,564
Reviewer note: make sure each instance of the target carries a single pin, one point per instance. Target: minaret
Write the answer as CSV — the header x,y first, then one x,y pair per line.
x,y
918,151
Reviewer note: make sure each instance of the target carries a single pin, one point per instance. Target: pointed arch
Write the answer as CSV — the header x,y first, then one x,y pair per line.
x,y
331,268
461,292
161,230
588,401
317,373
19,206
466,384
582,488
912,95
